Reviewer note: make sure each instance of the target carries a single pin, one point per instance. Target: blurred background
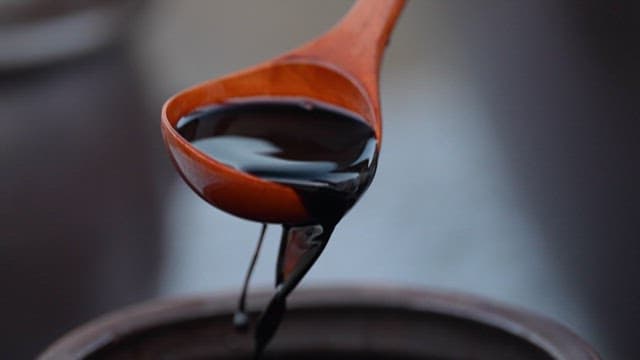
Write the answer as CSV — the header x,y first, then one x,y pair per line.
x,y
509,166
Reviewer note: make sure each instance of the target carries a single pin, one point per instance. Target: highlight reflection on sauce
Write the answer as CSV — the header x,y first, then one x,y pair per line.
x,y
326,154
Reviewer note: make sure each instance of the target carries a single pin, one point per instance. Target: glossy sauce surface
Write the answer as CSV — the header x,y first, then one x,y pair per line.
x,y
326,154
315,148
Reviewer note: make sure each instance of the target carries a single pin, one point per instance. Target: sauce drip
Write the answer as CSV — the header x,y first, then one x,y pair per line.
x,y
326,154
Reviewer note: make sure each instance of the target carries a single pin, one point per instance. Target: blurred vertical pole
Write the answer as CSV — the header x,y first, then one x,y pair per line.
x,y
562,80
79,215
610,175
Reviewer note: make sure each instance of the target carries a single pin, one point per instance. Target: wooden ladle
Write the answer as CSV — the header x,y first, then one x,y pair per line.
x,y
340,67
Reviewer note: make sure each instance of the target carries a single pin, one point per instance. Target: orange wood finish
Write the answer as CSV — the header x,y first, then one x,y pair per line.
x,y
341,68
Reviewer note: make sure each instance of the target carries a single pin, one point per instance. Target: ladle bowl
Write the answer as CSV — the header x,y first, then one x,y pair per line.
x,y
340,68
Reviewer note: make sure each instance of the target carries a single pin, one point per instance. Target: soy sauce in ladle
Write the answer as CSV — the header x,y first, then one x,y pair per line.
x,y
325,153
300,156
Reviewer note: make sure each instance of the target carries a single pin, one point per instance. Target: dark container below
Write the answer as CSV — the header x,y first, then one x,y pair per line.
x,y
343,323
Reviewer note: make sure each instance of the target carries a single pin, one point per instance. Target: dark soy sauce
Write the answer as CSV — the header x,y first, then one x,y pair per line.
x,y
326,154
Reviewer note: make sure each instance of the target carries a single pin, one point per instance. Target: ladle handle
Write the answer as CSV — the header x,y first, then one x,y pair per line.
x,y
356,43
